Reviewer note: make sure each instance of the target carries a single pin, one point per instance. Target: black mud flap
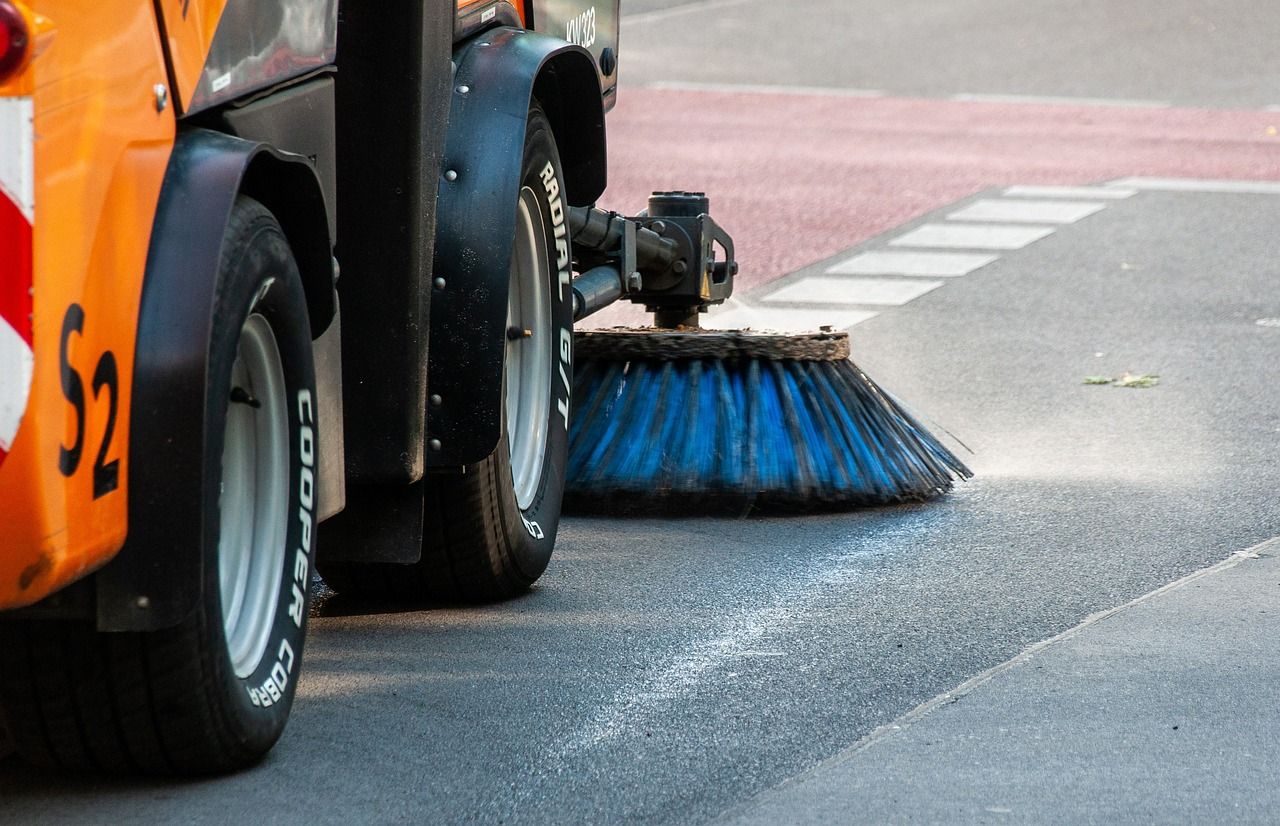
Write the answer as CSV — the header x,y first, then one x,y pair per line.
x,y
498,76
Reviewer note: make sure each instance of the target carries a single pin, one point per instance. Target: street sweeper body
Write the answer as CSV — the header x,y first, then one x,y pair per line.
x,y
265,265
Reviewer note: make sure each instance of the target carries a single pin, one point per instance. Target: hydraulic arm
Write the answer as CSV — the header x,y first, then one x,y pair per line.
x,y
665,258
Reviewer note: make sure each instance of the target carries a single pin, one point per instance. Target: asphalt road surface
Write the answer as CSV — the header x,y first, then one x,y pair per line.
x,y
1189,52
669,671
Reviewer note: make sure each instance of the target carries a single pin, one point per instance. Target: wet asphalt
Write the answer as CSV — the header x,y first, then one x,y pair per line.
x,y
663,672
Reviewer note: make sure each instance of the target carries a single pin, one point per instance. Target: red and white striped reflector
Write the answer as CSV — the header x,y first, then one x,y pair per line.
x,y
17,214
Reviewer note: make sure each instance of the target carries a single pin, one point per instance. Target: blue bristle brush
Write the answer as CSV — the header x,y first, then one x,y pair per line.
x,y
679,419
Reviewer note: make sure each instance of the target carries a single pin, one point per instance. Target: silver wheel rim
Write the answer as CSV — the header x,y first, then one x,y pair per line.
x,y
254,496
527,369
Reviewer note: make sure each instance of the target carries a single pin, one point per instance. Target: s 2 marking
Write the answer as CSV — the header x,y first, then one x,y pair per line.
x,y
106,474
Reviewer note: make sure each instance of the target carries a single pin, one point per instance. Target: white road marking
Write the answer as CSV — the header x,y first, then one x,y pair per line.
x,y
740,316
675,11
764,89
838,290
912,262
1051,100
820,289
1101,193
1272,108
1206,186
1023,211
653,693
1044,204
972,236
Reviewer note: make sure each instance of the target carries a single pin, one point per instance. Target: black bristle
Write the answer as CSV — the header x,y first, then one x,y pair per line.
x,y
789,434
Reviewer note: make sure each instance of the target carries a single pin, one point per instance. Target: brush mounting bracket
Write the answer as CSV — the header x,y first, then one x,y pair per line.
x,y
674,248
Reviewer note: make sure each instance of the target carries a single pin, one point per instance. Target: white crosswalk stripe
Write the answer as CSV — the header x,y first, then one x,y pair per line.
x,y
1055,100
738,316
912,262
763,89
1097,193
821,289
1199,185
972,236
1016,211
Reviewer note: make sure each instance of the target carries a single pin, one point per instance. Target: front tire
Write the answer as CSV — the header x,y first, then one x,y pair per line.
x,y
212,694
490,530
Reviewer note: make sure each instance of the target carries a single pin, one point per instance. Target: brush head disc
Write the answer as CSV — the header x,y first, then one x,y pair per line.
x,y
677,421
691,343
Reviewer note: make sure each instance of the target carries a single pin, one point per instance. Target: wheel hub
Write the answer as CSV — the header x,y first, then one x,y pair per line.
x,y
254,496
527,367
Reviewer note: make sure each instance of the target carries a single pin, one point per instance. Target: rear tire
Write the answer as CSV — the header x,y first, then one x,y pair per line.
x,y
490,530
212,694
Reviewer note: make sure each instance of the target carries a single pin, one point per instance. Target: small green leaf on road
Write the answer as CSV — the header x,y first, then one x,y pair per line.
x,y
1138,380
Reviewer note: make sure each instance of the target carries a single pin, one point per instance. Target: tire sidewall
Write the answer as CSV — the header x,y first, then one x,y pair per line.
x,y
258,275
533,529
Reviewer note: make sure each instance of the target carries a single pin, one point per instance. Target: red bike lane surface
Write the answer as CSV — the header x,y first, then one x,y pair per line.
x,y
796,178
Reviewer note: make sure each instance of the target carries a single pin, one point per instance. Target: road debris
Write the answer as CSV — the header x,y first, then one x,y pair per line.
x,y
1127,379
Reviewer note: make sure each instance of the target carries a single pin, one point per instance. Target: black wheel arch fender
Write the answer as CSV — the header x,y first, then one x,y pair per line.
x,y
155,580
498,74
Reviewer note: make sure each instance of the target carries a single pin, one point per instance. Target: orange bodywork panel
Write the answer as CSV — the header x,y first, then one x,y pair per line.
x,y
101,146
190,26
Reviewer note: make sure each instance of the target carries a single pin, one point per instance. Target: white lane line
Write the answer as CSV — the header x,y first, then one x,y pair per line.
x,y
738,316
1210,187
1272,108
763,89
972,236
1051,100
1024,211
1101,193
819,289
675,11
912,262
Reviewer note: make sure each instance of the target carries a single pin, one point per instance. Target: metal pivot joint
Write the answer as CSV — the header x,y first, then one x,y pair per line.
x,y
665,259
